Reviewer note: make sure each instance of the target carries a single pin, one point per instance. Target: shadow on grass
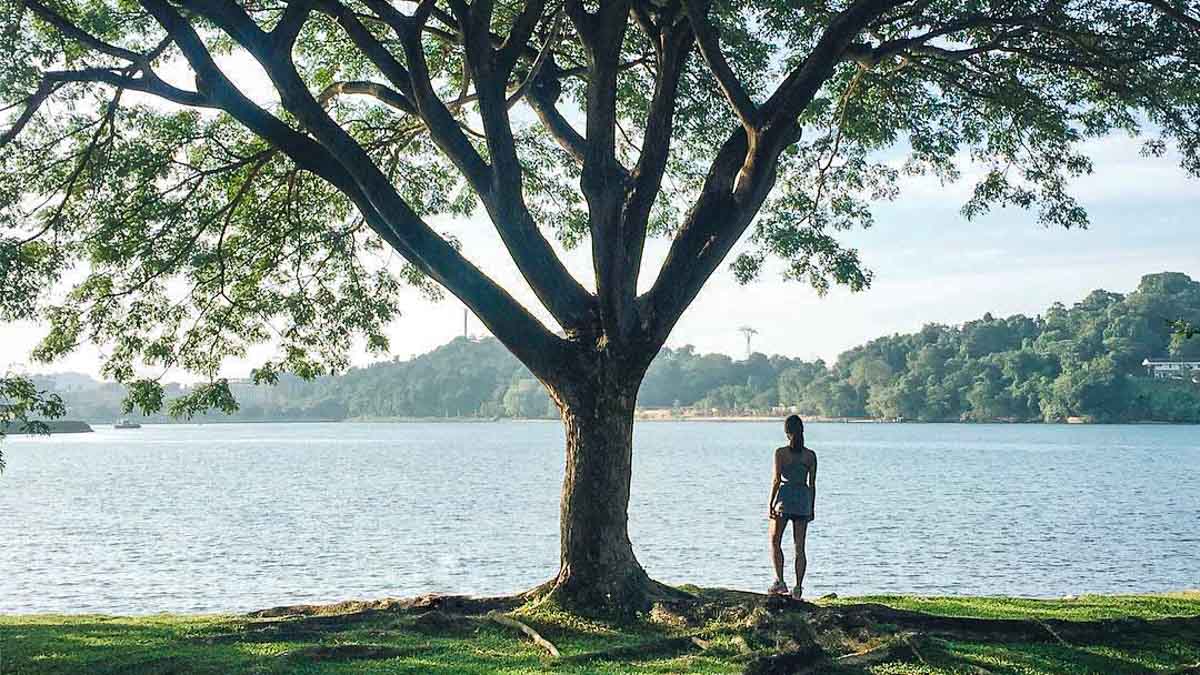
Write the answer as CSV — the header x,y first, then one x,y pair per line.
x,y
1022,658
66,645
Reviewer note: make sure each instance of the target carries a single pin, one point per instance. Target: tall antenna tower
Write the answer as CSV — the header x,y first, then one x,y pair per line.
x,y
749,333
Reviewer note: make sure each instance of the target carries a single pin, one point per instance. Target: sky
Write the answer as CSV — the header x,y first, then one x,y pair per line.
x,y
930,265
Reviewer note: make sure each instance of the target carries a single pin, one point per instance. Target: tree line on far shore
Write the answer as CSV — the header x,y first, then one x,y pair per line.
x,y
1080,361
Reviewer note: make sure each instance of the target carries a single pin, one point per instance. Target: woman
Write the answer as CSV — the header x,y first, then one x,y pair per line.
x,y
793,496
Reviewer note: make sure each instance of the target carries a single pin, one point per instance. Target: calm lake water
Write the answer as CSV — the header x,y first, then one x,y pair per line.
x,y
238,517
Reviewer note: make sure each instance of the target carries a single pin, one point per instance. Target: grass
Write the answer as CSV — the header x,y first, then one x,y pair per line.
x,y
407,642
1080,608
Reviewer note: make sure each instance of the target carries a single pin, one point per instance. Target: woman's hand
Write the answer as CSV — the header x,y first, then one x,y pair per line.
x,y
772,513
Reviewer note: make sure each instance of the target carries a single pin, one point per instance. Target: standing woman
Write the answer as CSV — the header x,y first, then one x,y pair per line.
x,y
793,496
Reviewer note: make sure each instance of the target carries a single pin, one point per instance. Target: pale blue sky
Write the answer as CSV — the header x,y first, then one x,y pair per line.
x,y
930,265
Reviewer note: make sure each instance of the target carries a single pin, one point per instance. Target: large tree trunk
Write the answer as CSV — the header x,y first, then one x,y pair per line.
x,y
598,572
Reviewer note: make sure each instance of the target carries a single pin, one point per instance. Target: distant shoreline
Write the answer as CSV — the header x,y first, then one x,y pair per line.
x,y
638,418
872,420
52,427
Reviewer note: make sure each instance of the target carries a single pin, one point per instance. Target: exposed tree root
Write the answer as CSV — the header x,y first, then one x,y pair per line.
x,y
776,635
437,622
456,604
1053,633
866,634
709,604
903,648
626,599
527,630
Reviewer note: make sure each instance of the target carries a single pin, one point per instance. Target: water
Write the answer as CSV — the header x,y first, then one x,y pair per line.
x,y
237,517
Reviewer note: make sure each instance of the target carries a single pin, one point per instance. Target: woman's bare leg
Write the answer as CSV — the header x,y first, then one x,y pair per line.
x,y
777,527
799,532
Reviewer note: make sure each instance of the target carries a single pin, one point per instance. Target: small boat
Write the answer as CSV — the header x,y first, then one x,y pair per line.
x,y
126,424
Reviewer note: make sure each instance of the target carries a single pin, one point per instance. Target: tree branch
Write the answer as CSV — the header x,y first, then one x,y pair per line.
x,y
518,38
148,83
604,180
373,49
710,229
673,46
566,299
742,175
542,97
348,169
1165,7
797,90
380,92
867,56
443,127
500,185
53,80
69,29
535,68
35,100
107,122
288,29
710,49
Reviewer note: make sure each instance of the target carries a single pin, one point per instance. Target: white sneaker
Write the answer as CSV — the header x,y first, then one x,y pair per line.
x,y
778,588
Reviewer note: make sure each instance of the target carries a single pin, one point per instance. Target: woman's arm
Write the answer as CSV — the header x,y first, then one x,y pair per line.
x,y
774,486
812,477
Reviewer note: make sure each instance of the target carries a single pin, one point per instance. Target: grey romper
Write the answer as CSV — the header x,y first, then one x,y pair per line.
x,y
795,499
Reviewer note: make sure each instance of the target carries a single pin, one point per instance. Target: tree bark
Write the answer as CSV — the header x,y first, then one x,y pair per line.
x,y
598,572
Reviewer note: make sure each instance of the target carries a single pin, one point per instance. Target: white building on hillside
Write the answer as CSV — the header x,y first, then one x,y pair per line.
x,y
1172,370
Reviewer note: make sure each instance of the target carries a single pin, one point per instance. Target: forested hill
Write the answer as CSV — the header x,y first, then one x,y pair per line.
x,y
1078,361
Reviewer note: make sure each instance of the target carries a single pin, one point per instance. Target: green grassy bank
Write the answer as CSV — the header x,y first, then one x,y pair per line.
x,y
722,632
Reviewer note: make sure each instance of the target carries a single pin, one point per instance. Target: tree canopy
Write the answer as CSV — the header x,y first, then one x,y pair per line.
x,y
193,215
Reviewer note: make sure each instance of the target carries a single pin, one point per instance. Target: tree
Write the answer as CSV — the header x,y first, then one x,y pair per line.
x,y
1184,330
1096,390
526,398
208,219
905,398
24,407
793,382
988,397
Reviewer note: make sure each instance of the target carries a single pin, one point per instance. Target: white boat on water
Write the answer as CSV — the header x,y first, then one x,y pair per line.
x,y
126,424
